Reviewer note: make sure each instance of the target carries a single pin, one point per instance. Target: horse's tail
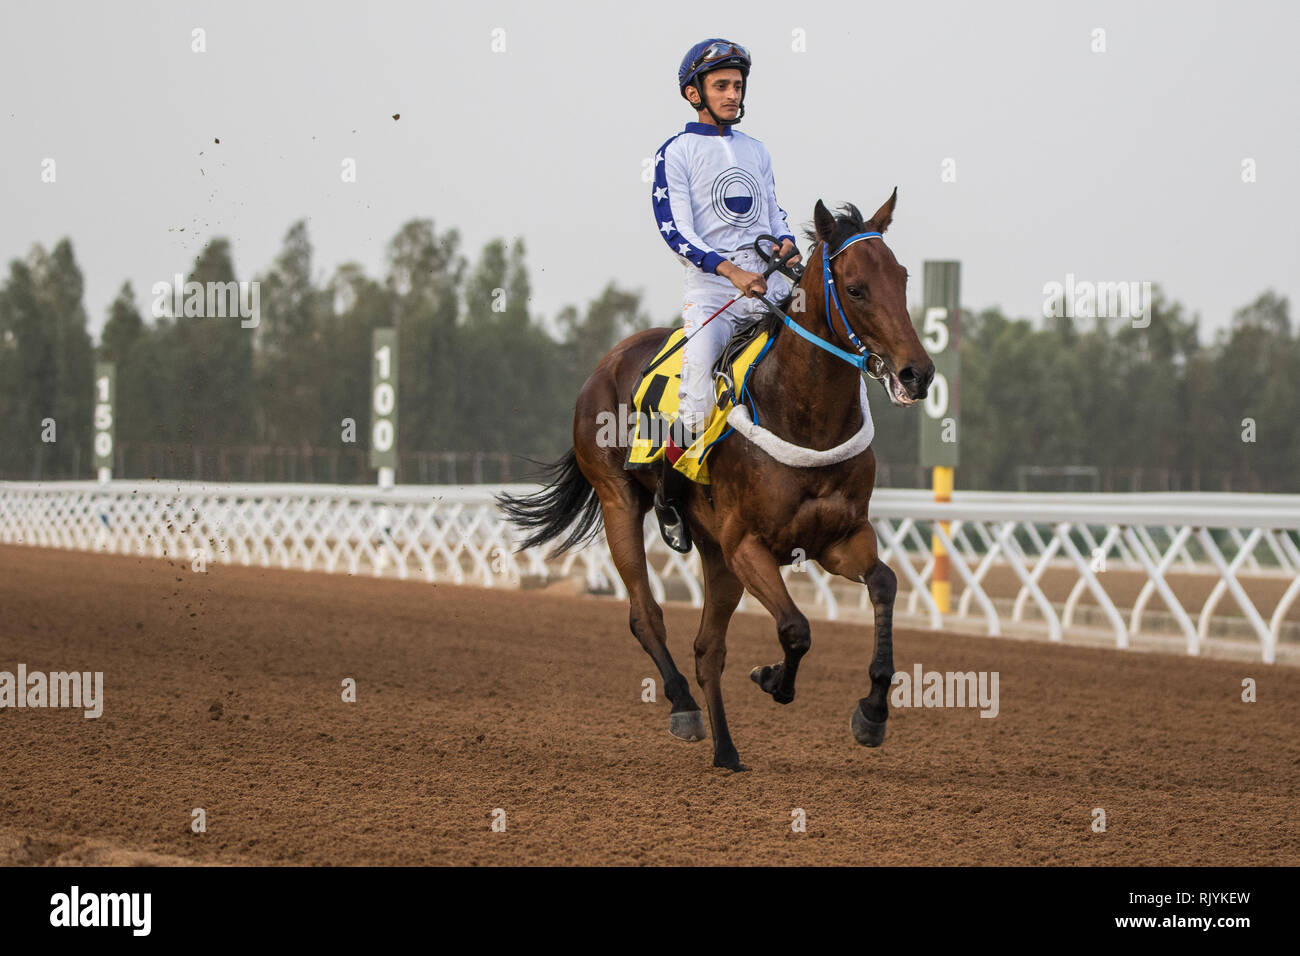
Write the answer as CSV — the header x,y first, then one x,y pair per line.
x,y
568,499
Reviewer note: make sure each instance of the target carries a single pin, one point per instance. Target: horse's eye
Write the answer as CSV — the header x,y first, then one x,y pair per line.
x,y
854,291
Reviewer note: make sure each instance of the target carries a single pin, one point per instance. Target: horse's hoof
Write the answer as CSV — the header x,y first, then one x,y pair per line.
x,y
732,763
688,725
869,733
768,678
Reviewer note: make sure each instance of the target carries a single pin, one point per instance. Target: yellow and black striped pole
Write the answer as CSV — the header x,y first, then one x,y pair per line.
x,y
940,582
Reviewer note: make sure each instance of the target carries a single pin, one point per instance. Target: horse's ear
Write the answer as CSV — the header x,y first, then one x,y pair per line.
x,y
885,214
823,221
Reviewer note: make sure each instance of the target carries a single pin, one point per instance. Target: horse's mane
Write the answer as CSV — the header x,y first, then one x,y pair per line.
x,y
848,222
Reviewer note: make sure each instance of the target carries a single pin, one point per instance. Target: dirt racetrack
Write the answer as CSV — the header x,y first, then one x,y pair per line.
x,y
222,690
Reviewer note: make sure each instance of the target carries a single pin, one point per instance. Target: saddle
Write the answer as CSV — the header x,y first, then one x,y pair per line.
x,y
655,406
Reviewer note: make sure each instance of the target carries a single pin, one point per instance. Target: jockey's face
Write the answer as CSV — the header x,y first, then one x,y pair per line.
x,y
723,88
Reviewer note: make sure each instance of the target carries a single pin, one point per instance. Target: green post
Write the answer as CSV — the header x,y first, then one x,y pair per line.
x,y
383,404
941,335
105,398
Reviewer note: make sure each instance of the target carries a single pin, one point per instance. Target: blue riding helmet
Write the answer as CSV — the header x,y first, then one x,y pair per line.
x,y
707,56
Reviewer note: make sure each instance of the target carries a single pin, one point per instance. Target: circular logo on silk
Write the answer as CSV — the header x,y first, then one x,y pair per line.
x,y
735,197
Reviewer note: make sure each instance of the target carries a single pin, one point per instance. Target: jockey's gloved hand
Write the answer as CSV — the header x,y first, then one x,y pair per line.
x,y
789,247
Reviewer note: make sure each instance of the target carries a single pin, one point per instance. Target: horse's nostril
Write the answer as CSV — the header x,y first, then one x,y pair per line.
x,y
915,381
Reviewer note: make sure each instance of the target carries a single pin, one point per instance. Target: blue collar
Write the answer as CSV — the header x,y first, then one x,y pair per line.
x,y
708,129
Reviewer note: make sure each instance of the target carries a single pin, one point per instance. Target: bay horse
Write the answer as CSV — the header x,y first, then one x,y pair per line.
x,y
763,514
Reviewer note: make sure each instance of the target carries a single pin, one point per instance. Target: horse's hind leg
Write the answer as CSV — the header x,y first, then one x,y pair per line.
x,y
624,513
722,591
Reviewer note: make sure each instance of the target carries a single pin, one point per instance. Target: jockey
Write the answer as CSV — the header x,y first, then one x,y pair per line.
x,y
713,196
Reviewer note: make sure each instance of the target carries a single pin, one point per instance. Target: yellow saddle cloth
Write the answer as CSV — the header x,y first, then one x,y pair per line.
x,y
654,405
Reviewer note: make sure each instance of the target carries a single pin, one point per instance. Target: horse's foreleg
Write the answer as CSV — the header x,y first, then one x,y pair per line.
x,y
869,718
858,560
759,571
722,591
624,531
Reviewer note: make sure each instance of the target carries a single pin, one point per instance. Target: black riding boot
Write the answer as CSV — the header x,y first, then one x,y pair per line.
x,y
670,498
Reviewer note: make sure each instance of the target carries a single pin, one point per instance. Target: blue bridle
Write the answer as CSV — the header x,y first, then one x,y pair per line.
x,y
860,360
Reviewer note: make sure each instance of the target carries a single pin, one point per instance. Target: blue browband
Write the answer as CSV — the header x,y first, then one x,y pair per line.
x,y
852,239
858,361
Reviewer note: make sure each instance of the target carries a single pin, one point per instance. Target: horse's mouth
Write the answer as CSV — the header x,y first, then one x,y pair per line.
x,y
897,391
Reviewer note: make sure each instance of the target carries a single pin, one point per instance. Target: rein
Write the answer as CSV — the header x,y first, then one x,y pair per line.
x,y
783,451
739,418
862,360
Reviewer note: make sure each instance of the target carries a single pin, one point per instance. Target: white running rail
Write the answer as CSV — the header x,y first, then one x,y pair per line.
x,y
456,534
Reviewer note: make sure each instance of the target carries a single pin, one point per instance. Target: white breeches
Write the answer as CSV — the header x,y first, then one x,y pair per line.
x,y
705,294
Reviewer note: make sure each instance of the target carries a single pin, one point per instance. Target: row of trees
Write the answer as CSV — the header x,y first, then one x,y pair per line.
x,y
1158,401
478,371
481,373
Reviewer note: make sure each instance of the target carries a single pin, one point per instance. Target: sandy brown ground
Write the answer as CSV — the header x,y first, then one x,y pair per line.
x,y
223,692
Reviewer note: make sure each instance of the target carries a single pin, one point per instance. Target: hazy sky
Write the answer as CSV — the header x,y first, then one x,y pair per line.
x,y
1124,165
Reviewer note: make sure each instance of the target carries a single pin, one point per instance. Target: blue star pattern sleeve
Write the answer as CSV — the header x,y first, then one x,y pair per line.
x,y
672,207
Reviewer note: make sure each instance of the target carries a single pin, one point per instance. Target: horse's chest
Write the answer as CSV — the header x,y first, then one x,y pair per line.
x,y
795,512
820,522
807,526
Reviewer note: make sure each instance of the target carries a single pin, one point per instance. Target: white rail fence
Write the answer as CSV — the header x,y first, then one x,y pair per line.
x,y
456,534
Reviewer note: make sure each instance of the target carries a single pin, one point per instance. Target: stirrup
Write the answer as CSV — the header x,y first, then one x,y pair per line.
x,y
673,528
672,522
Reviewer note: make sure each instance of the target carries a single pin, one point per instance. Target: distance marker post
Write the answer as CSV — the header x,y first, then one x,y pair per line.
x,y
105,397
383,405
941,423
